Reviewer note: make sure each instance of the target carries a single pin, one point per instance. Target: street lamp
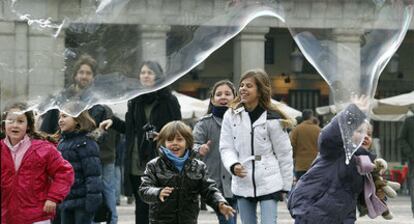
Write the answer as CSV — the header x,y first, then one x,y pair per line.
x,y
296,61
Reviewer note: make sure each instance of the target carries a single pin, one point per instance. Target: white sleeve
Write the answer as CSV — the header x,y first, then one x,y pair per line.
x,y
229,155
283,150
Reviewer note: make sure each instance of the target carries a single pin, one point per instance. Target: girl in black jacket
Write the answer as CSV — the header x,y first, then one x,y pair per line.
x,y
82,152
174,180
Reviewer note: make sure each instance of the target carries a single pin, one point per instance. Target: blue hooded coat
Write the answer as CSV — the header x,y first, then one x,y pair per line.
x,y
328,192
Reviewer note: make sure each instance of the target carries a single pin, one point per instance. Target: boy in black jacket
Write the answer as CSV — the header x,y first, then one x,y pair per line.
x,y
174,180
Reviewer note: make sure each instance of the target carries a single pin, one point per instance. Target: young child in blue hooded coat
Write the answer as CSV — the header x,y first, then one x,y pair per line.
x,y
328,192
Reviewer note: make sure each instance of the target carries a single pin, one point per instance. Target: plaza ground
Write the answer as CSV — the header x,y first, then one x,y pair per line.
x,y
400,206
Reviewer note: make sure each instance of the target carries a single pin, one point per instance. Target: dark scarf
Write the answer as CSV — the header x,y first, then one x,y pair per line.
x,y
218,111
256,113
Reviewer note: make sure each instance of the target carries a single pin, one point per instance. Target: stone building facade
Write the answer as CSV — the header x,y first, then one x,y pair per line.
x,y
30,63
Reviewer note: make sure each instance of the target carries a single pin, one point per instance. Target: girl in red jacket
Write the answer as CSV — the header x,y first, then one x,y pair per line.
x,y
34,175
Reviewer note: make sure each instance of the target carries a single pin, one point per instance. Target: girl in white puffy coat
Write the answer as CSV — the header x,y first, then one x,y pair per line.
x,y
256,149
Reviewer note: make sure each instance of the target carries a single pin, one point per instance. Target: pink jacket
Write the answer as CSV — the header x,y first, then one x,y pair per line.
x,y
43,175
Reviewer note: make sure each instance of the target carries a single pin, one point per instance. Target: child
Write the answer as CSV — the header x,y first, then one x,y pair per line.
x,y
207,137
83,153
328,192
373,201
256,149
34,176
174,180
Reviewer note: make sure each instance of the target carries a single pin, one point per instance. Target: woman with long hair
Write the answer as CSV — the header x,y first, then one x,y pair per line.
x,y
256,149
145,117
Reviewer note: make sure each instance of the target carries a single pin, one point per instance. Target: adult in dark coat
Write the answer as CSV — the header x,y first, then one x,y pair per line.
x,y
328,192
84,71
146,114
406,141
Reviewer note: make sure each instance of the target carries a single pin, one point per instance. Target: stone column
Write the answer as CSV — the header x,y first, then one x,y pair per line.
x,y
13,74
46,63
152,43
347,77
248,50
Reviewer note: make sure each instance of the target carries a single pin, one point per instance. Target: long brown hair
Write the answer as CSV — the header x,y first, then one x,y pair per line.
x,y
264,89
85,123
31,131
213,91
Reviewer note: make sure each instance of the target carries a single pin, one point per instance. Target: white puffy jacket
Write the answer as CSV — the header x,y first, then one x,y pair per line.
x,y
263,148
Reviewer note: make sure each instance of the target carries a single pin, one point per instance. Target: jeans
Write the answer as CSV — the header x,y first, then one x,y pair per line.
x,y
118,183
141,208
232,220
108,176
76,216
248,214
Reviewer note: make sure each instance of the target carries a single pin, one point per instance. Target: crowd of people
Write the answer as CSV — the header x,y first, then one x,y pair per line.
x,y
244,153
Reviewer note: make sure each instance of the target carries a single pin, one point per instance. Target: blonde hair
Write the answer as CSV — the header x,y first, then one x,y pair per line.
x,y
173,128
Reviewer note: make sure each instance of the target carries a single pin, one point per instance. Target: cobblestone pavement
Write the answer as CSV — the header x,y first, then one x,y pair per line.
x,y
400,206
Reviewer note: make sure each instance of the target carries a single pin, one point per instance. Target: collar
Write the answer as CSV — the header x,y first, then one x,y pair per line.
x,y
24,142
256,113
239,110
308,122
73,134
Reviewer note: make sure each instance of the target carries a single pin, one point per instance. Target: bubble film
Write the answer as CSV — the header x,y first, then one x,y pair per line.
x,y
349,45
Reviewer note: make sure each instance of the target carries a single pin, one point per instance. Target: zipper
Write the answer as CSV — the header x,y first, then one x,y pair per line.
x,y
253,161
181,176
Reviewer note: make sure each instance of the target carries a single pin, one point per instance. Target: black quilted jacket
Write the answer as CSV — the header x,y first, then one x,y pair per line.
x,y
182,206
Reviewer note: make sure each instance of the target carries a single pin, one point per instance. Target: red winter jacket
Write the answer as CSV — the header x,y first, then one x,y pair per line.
x,y
43,175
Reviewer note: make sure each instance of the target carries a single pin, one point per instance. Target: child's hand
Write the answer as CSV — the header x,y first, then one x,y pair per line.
x,y
240,171
361,102
165,192
106,124
204,148
50,207
226,210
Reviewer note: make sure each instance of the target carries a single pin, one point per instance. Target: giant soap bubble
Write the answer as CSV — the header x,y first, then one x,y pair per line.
x,y
348,42
119,35
351,49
